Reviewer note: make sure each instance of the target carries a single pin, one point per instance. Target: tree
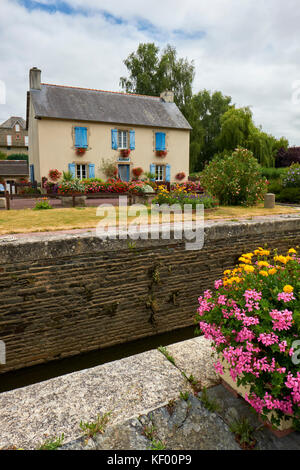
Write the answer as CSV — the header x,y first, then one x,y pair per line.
x,y
238,129
206,110
150,74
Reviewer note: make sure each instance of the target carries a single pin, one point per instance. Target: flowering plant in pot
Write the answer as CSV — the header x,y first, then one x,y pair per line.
x,y
180,176
253,320
54,175
80,151
137,172
161,153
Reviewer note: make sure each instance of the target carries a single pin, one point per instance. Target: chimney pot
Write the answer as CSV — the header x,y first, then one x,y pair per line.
x,y
35,79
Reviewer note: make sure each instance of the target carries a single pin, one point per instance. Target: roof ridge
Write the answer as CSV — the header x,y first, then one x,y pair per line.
x,y
103,91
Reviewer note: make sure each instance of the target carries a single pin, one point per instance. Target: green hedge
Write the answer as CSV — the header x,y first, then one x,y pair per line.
x,y
291,195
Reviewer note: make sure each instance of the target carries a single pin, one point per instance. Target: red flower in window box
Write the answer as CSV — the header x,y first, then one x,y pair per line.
x,y
161,153
125,153
80,151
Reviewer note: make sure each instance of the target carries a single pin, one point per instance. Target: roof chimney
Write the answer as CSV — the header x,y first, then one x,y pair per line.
x,y
35,79
167,96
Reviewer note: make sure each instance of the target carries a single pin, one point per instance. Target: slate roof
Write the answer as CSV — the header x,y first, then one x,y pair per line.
x,y
81,104
12,121
13,168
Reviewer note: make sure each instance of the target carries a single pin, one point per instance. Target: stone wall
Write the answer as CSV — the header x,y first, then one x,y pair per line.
x,y
64,295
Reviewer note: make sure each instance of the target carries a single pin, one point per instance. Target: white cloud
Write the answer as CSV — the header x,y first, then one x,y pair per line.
x,y
249,51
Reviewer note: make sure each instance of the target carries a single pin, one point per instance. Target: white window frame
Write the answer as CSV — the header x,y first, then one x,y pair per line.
x,y
17,127
81,171
26,140
160,171
122,139
9,140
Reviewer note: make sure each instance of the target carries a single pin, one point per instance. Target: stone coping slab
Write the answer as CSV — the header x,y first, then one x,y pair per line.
x,y
194,357
126,388
52,245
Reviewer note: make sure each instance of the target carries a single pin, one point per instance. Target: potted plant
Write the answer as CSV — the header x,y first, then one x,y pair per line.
x,y
253,321
180,176
54,175
80,151
68,189
125,153
137,172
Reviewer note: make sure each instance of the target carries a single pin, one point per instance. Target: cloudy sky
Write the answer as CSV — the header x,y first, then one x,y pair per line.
x,y
248,49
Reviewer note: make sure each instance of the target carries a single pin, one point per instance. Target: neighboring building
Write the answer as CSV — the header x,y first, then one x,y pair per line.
x,y
12,171
14,136
61,120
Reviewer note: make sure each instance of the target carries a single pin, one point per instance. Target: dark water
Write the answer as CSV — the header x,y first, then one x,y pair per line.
x,y
31,375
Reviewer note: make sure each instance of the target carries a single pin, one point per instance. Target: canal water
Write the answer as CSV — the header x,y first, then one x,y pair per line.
x,y
41,372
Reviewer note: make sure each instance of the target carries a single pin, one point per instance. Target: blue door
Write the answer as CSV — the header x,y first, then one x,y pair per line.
x,y
123,172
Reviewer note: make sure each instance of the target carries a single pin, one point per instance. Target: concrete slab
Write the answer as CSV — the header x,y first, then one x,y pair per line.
x,y
126,388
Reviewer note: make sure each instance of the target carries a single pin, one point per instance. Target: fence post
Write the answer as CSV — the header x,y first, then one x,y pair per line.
x,y
7,200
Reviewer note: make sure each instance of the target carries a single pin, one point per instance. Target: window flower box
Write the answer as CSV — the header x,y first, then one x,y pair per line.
x,y
124,153
161,153
80,151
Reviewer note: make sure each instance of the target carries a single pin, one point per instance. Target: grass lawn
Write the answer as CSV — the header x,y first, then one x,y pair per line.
x,y
28,220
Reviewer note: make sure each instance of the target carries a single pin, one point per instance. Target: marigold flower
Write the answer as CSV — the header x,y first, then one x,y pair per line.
x,y
288,289
264,273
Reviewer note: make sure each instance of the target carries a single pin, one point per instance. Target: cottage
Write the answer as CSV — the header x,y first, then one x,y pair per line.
x,y
76,128
11,172
14,136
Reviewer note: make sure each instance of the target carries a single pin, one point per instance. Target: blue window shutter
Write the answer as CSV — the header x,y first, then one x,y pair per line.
x,y
114,139
132,140
91,170
152,170
168,173
160,141
32,173
157,141
81,137
72,169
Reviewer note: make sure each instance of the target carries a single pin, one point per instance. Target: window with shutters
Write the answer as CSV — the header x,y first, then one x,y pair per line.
x,y
80,137
81,171
122,139
159,172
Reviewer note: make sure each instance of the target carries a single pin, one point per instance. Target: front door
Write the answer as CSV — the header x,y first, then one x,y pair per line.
x,y
123,172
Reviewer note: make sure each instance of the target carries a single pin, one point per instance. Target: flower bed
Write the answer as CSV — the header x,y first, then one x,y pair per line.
x,y
70,188
179,195
113,186
253,319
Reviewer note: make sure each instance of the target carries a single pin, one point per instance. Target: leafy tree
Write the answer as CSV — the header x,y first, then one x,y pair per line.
x,y
206,110
151,73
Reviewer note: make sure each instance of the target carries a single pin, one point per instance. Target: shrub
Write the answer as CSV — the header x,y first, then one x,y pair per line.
x,y
67,176
253,319
18,156
42,205
274,186
109,167
3,156
291,178
235,179
182,197
291,195
28,190
273,173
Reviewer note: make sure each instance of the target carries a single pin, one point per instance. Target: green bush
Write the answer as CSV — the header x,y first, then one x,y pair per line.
x,y
235,179
275,186
18,156
273,173
42,205
291,195
3,156
291,178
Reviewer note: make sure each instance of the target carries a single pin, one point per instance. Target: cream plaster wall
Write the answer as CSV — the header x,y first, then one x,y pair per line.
x,y
52,146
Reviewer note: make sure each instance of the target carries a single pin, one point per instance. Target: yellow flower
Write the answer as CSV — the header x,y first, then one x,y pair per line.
x,y
281,258
288,289
291,250
263,263
272,271
247,268
227,272
245,260
264,273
